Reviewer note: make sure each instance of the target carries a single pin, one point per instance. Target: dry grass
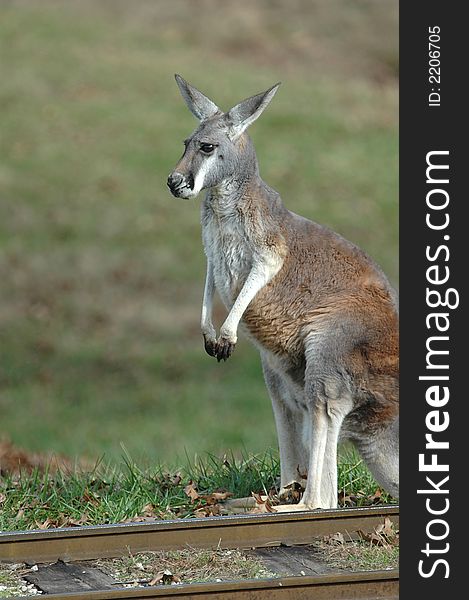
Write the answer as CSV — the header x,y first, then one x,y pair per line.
x,y
186,566
359,556
377,549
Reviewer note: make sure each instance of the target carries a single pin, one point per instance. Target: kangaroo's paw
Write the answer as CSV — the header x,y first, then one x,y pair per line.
x,y
210,344
224,348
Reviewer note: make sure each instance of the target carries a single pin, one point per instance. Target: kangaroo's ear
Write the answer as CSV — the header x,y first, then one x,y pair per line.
x,y
246,112
200,106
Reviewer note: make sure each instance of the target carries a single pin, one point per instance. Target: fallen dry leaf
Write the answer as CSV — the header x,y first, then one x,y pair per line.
x,y
351,499
334,539
205,500
165,578
167,481
384,534
345,499
148,514
208,510
376,497
63,521
83,520
215,497
295,492
149,510
375,539
191,491
388,531
90,497
263,504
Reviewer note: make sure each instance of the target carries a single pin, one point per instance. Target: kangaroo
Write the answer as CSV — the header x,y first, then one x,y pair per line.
x,y
322,314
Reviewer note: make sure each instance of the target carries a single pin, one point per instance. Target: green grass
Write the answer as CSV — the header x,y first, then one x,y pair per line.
x,y
115,493
111,494
102,270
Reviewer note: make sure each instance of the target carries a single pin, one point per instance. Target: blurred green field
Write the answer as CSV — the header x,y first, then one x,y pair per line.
x,y
101,270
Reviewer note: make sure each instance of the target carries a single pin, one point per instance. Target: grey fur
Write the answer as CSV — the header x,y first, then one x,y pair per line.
x,y
320,311
199,105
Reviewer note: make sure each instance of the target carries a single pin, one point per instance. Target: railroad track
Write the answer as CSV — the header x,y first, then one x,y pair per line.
x,y
244,532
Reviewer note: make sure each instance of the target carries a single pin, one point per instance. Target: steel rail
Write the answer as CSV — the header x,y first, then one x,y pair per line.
x,y
246,531
370,585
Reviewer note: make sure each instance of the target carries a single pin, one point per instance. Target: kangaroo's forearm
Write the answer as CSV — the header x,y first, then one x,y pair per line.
x,y
261,273
207,303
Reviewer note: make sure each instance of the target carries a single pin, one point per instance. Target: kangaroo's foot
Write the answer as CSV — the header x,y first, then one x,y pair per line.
x,y
300,507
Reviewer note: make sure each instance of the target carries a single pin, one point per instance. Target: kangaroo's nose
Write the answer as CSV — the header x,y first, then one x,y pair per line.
x,y
175,180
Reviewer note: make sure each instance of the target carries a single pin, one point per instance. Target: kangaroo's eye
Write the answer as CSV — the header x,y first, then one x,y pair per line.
x,y
207,148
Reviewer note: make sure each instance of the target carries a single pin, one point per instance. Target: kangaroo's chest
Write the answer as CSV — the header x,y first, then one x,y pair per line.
x,y
229,251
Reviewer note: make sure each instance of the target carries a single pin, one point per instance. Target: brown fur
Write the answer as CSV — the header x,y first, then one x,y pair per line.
x,y
321,312
324,279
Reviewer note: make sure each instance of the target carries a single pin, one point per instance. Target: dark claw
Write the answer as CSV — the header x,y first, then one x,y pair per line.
x,y
221,349
224,349
210,346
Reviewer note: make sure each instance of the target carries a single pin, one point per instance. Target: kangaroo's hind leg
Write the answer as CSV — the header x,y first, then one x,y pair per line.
x,y
329,397
291,419
380,452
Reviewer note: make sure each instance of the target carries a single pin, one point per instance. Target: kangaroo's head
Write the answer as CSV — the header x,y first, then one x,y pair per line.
x,y
218,149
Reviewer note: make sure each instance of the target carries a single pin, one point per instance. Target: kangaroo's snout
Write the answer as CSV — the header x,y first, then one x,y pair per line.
x,y
180,185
